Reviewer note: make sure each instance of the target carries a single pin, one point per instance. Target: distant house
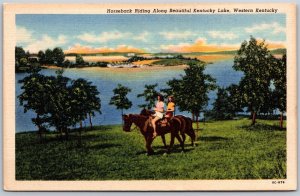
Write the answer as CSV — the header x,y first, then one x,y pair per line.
x,y
33,58
131,54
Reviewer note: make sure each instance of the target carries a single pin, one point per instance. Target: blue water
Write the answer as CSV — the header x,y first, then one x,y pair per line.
x,y
106,81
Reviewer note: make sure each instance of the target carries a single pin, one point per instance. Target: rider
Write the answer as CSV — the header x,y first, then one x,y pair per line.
x,y
170,107
159,110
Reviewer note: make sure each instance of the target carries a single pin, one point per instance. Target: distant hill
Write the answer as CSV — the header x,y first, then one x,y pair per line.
x,y
279,51
232,52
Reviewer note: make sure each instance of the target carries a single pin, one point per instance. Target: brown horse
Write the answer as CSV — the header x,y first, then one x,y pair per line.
x,y
185,128
148,113
144,124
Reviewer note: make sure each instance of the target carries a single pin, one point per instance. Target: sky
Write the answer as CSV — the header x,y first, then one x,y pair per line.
x,y
147,33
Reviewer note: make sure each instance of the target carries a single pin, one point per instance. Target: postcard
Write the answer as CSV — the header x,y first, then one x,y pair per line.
x,y
150,97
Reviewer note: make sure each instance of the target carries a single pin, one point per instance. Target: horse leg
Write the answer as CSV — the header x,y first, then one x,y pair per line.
x,y
171,143
193,137
148,145
180,141
163,140
183,136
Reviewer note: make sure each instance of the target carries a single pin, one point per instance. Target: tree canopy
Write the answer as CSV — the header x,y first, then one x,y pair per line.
x,y
58,101
256,62
149,94
120,99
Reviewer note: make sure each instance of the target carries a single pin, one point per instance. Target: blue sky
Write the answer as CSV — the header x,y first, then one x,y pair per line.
x,y
150,33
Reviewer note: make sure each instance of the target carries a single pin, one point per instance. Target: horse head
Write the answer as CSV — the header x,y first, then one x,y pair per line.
x,y
127,122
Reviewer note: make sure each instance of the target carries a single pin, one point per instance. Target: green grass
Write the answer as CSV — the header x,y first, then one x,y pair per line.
x,y
225,150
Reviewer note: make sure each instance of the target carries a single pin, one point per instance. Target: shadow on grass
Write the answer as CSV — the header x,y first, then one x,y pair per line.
x,y
160,150
262,127
212,138
103,146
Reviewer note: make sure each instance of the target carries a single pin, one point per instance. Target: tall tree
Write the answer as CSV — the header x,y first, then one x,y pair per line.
x,y
191,91
34,97
58,56
49,56
85,100
120,99
279,73
227,103
21,59
150,94
42,57
255,60
60,105
79,60
19,54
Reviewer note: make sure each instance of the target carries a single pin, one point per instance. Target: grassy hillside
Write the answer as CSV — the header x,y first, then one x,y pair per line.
x,y
225,150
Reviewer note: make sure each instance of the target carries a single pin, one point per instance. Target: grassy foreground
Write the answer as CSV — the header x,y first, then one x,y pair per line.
x,y
225,150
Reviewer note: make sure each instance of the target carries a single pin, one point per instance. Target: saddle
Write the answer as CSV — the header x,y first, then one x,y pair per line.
x,y
162,122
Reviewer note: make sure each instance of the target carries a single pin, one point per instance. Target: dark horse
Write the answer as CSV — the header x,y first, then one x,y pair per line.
x,y
185,128
144,124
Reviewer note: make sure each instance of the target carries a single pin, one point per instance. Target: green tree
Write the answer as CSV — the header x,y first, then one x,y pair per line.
x,y
191,91
49,56
279,73
255,60
60,102
150,94
34,97
85,100
21,59
19,54
221,106
67,64
79,60
227,103
41,56
58,56
120,99
23,62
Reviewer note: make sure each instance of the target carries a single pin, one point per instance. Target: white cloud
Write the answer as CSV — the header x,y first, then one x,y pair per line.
x,y
46,42
177,35
103,37
23,35
274,28
142,37
222,35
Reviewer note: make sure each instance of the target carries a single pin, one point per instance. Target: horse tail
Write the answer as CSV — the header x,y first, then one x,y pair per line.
x,y
190,128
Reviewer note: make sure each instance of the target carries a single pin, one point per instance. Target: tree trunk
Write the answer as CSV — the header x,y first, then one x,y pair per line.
x,y
66,132
39,127
90,118
39,133
80,129
193,117
122,116
197,122
281,120
253,118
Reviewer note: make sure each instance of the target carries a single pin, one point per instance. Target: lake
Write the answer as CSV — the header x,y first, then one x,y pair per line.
x,y
107,80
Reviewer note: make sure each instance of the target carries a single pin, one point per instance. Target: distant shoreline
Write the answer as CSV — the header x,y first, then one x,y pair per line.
x,y
131,69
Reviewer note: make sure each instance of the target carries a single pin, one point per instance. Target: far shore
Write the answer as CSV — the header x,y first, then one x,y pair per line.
x,y
132,69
